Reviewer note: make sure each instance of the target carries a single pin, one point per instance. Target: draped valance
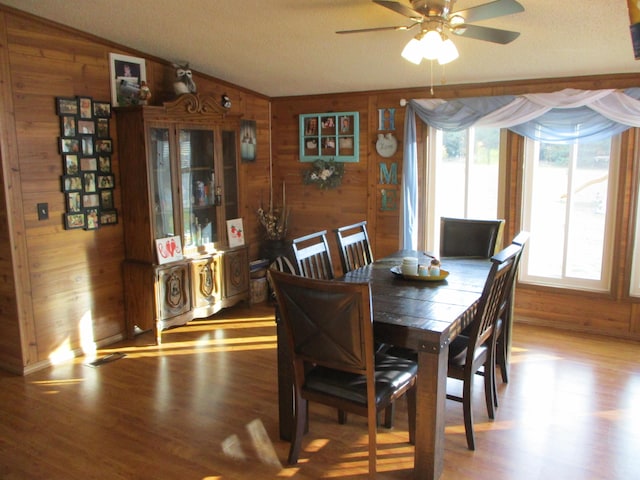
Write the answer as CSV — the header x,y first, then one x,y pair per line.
x,y
559,117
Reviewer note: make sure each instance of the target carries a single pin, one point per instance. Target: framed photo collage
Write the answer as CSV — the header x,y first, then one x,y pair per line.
x,y
86,147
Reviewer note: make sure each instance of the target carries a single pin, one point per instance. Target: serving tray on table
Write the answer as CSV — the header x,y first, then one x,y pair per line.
x,y
396,270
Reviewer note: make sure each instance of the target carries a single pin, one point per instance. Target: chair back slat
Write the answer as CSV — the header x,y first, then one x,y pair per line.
x,y
313,256
355,249
465,237
491,300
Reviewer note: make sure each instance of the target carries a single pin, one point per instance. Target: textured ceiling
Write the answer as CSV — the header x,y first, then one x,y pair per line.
x,y
289,47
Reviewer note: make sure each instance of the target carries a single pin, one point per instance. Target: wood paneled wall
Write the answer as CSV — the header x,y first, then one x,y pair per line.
x,y
62,290
613,313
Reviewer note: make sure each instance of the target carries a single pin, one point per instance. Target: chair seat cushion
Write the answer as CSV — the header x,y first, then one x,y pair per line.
x,y
458,349
391,374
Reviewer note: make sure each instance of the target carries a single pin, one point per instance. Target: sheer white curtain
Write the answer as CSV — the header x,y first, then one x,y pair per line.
x,y
559,117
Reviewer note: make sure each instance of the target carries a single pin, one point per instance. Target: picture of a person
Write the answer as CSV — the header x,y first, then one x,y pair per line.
x,y
312,126
345,124
69,127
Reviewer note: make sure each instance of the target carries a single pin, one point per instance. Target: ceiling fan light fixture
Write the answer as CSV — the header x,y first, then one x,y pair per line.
x,y
448,52
431,44
413,51
456,20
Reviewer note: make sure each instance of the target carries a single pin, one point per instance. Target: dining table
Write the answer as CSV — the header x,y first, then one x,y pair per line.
x,y
417,313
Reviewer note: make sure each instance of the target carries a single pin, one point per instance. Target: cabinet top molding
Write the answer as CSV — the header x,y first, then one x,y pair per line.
x,y
190,103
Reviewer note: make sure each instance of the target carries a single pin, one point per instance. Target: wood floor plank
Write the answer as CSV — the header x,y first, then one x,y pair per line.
x,y
203,406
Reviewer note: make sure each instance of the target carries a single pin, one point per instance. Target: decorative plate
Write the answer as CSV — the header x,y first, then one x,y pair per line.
x,y
396,270
386,145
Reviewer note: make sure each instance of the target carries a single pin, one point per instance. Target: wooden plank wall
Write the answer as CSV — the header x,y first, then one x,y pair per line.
x,y
613,313
64,288
60,284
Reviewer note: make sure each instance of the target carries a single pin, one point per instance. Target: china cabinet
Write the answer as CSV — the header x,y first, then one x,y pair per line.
x,y
178,167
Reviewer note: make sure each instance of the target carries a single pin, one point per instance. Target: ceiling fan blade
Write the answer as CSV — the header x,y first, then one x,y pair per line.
x,y
401,9
377,29
494,9
487,34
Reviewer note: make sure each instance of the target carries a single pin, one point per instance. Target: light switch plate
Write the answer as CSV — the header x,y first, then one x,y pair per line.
x,y
43,211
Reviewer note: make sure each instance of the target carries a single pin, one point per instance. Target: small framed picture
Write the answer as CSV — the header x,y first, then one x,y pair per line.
x,y
89,180
127,74
93,220
248,140
86,109
88,164
168,249
106,199
68,126
103,145
74,220
104,164
311,126
71,183
67,106
71,166
87,145
235,232
91,200
345,124
86,127
101,109
74,202
106,181
102,127
108,217
328,125
69,145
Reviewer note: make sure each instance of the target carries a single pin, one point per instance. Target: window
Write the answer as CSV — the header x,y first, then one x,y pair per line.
x,y
634,289
462,178
568,207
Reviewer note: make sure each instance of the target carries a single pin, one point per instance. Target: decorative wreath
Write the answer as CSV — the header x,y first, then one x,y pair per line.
x,y
325,174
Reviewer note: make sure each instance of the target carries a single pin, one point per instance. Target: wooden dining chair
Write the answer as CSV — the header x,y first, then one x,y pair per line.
x,y
329,327
313,257
505,320
355,249
470,354
467,237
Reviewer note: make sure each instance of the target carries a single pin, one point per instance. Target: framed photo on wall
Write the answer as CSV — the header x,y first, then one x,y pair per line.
x,y
85,145
126,75
248,140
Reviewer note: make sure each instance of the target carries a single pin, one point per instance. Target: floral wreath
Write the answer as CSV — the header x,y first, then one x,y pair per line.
x,y
325,174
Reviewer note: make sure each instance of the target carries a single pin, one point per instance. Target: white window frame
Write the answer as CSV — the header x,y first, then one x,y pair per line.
x,y
634,283
429,229
602,285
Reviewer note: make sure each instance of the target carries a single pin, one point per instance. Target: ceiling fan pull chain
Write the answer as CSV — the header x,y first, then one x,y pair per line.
x,y
431,66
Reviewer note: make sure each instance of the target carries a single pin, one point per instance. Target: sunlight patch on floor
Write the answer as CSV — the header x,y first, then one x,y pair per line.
x,y
210,326
262,444
212,345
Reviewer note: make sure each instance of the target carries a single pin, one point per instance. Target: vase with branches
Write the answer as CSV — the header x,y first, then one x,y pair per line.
x,y
274,220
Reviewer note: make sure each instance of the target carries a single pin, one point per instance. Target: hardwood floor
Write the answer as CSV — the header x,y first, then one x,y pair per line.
x,y
202,406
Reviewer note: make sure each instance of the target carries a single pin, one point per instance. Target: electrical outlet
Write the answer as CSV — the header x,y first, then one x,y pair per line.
x,y
43,211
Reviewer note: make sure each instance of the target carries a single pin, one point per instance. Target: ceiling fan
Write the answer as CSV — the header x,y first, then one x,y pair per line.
x,y
437,16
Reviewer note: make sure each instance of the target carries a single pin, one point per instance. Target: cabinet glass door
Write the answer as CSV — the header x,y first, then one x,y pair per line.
x,y
199,193
161,191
